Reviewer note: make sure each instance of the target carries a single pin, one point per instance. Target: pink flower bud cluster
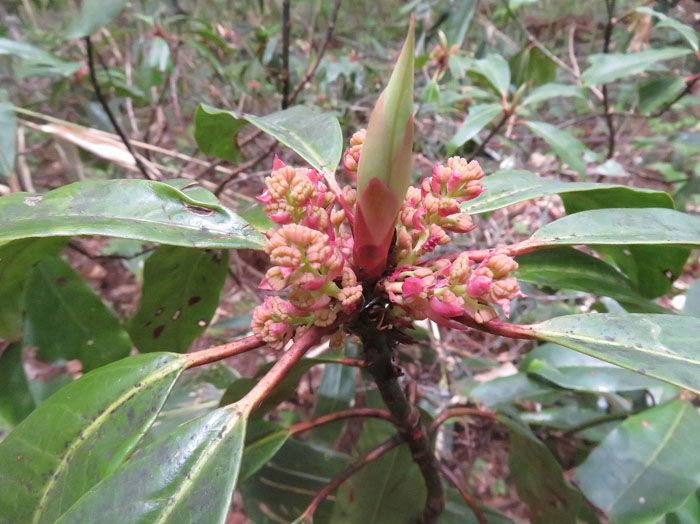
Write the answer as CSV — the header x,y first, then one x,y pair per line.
x,y
351,157
444,290
310,247
432,211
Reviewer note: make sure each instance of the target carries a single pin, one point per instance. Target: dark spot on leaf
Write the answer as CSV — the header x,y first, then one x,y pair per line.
x,y
198,210
130,415
148,324
193,300
157,331
60,282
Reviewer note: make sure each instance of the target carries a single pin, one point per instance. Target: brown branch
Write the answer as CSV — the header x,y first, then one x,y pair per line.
x,y
286,29
244,166
378,354
355,362
342,415
76,247
690,82
370,457
494,130
230,349
498,327
610,4
286,362
458,411
471,502
110,115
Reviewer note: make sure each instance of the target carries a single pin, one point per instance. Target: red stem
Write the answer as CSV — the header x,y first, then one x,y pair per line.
x,y
458,411
342,415
206,356
471,502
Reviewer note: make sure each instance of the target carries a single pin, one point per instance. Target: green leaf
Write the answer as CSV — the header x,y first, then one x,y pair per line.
x,y
16,262
67,320
16,400
653,95
8,138
508,187
35,61
540,480
94,14
335,392
568,148
647,226
458,512
259,451
181,289
692,300
80,435
458,21
567,268
496,70
479,117
514,388
686,31
553,90
316,137
687,513
187,476
613,66
136,209
659,346
646,466
583,373
389,490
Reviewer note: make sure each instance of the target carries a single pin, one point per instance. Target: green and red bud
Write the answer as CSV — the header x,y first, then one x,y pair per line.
x,y
384,170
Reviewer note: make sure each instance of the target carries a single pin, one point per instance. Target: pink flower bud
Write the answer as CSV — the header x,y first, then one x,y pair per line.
x,y
478,285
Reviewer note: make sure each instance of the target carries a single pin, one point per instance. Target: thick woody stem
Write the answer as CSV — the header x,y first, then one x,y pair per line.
x,y
379,359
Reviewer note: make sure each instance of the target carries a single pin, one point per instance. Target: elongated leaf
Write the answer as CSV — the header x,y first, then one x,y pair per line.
x,y
35,61
335,392
458,512
540,480
567,268
66,320
188,476
645,467
16,400
8,138
658,92
16,262
508,187
94,14
137,209
316,137
622,226
80,435
553,90
259,451
181,289
496,70
692,300
479,117
568,148
614,66
461,14
659,346
686,31
514,388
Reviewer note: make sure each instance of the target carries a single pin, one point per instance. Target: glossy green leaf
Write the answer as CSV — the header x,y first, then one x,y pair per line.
x,y
314,136
94,14
181,289
687,513
496,70
187,476
508,187
568,148
8,139
17,260
513,388
458,512
66,320
622,226
654,94
562,417
567,268
685,31
614,66
283,488
659,346
572,370
647,466
552,90
35,61
479,117
80,435
335,392
259,450
540,480
389,490
16,400
137,209
458,21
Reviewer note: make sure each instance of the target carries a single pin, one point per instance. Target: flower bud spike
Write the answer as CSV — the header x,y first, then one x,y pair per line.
x,y
384,171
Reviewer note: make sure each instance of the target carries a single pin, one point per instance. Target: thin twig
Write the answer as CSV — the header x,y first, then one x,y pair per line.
x,y
286,29
689,85
473,505
342,415
370,457
230,349
494,130
610,5
110,115
76,247
245,166
458,411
